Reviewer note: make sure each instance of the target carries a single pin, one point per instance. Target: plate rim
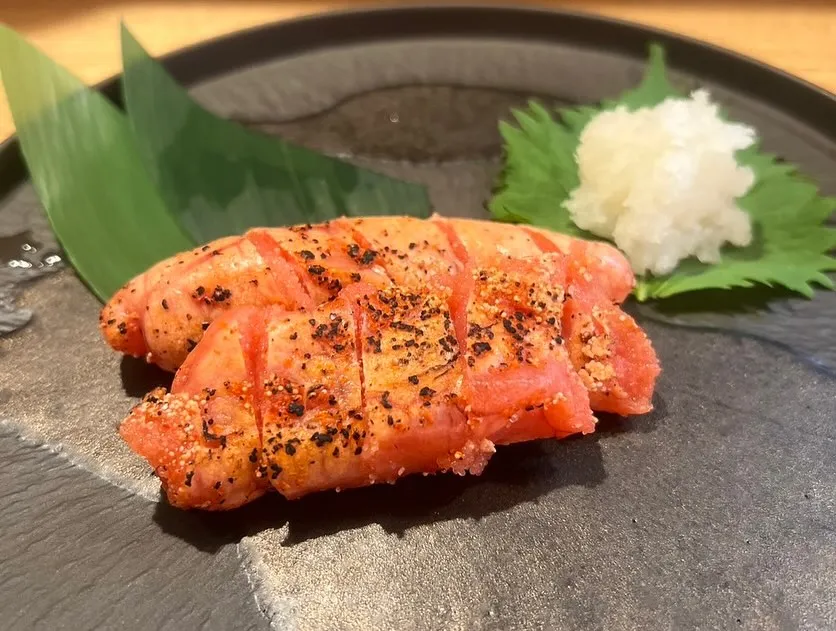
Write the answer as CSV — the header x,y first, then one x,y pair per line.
x,y
214,57
184,61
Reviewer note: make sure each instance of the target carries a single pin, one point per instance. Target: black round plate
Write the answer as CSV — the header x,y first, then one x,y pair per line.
x,y
715,511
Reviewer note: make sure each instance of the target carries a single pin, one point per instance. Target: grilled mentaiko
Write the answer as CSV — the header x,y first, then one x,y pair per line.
x,y
163,313
421,365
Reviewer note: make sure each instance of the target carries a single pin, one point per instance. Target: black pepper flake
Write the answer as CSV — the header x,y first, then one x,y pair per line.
x,y
384,400
320,439
307,255
336,452
294,335
316,270
413,379
339,348
374,343
122,328
358,451
332,400
335,285
412,246
254,455
189,477
511,329
356,277
426,391
296,408
217,485
276,471
290,449
480,348
220,294
354,250
368,257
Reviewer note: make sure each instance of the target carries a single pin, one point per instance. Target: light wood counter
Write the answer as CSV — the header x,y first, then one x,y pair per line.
x,y
797,36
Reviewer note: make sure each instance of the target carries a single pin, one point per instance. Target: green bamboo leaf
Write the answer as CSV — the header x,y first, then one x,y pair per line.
x,y
87,172
219,178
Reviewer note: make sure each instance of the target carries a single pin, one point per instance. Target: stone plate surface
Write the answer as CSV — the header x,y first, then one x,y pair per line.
x,y
716,511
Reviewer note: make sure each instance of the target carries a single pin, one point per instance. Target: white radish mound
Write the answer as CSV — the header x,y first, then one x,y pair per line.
x,y
663,182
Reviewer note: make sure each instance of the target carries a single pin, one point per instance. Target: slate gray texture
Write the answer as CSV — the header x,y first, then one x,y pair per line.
x,y
715,511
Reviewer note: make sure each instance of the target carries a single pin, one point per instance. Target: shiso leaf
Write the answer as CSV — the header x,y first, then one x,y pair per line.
x,y
219,178
84,164
539,172
791,246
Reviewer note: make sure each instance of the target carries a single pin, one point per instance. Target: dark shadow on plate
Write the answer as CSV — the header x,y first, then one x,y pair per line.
x,y
738,302
610,424
140,377
517,474
758,313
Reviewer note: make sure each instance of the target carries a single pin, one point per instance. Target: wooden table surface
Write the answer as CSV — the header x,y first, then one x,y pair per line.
x,y
798,36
